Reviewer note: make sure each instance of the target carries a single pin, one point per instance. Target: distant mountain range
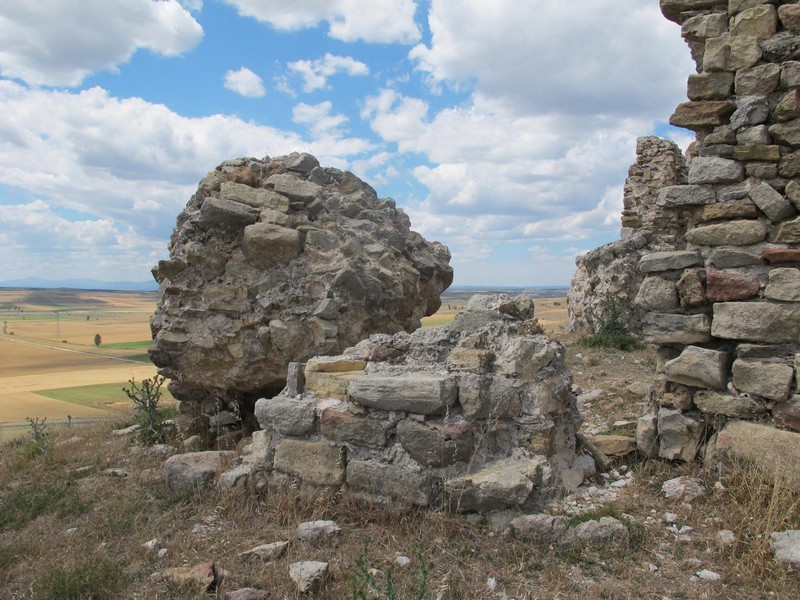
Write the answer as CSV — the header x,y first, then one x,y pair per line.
x,y
81,284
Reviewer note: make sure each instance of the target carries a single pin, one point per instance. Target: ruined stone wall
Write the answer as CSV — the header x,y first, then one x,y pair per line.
x,y
724,310
478,415
610,272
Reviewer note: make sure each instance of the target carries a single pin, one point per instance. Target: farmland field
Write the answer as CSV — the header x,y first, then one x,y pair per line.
x,y
49,364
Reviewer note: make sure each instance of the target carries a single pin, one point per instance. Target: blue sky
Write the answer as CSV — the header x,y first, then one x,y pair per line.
x,y
504,129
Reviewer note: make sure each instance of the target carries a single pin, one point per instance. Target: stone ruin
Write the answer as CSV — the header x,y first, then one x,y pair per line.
x,y
721,300
275,261
477,415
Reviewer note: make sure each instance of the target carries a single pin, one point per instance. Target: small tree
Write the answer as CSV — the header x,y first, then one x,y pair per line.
x,y
145,397
97,340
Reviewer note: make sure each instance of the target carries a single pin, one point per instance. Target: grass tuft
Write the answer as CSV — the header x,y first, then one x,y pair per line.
x,y
94,579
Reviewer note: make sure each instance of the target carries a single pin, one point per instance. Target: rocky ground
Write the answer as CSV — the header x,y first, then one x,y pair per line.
x,y
92,518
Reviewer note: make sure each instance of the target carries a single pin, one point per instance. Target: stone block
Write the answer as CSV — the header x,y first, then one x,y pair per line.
x,y
317,463
727,258
787,132
784,285
722,286
690,289
750,110
664,328
289,415
781,255
614,445
756,321
301,162
761,79
340,425
670,260
195,471
781,47
470,359
731,53
790,74
788,108
710,86
255,197
709,170
699,367
787,233
732,233
717,151
334,364
505,484
657,293
727,405
672,9
761,170
771,380
727,210
789,14
787,414
390,483
762,152
759,21
330,385
294,188
792,191
647,435
265,245
773,452
436,444
219,213
525,357
675,196
488,397
680,435
540,528
422,393
705,26
703,115
755,135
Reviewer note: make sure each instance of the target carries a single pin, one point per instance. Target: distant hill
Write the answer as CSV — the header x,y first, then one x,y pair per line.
x,y
81,284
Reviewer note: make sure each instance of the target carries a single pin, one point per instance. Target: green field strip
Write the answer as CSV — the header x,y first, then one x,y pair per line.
x,y
96,396
128,345
142,358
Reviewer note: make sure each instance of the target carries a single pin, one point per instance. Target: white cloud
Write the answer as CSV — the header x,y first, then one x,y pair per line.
x,y
315,73
245,83
610,57
380,21
127,164
52,43
318,118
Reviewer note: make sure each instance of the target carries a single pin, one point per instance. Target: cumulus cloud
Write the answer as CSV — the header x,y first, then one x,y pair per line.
x,y
315,73
245,83
380,21
128,164
52,44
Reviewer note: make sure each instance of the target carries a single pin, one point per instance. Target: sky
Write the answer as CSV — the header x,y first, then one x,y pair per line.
x,y
504,129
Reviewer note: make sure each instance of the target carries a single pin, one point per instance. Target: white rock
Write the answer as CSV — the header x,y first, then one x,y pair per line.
x,y
152,545
707,575
318,530
684,488
670,517
268,552
307,575
725,538
402,561
785,546
162,553
491,583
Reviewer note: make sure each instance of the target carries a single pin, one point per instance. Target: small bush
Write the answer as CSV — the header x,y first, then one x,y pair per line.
x,y
145,398
618,341
40,436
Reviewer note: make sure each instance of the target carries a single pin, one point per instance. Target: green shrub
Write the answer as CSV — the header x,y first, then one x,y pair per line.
x,y
145,397
94,579
619,341
40,436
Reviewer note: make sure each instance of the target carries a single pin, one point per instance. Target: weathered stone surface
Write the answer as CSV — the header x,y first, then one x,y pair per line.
x,y
606,532
423,393
386,483
196,470
761,79
792,191
340,425
690,289
438,444
647,435
539,528
789,15
614,445
254,298
705,26
781,47
704,170
698,116
737,209
330,385
663,328
656,294
679,435
773,452
731,233
699,367
756,135
784,285
760,21
787,233
710,86
197,578
731,53
762,152
683,488
317,463
666,261
722,286
676,196
750,110
672,9
790,74
771,380
727,405
288,415
788,108
771,202
761,170
787,414
787,133
756,321
267,552
470,359
789,165
781,255
308,575
505,484
318,531
785,545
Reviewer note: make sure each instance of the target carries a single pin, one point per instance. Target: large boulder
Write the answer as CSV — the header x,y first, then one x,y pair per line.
x,y
275,261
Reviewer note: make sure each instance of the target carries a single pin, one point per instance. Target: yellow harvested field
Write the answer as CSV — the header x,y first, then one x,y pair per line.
x,y
44,351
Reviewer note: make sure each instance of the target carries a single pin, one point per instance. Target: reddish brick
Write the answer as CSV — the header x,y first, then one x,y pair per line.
x,y
727,287
781,255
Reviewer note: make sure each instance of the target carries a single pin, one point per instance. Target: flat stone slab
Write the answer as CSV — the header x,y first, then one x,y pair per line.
x,y
317,463
387,483
667,261
774,452
421,393
700,367
505,484
665,328
195,471
756,322
785,546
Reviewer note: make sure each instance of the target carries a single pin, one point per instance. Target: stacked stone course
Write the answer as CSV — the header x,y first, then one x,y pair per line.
x,y
723,308
477,415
